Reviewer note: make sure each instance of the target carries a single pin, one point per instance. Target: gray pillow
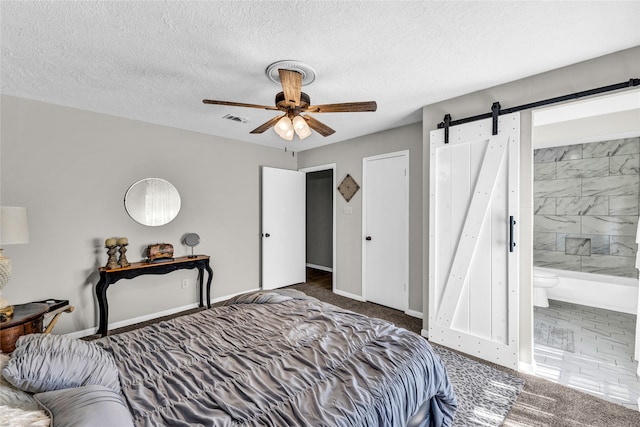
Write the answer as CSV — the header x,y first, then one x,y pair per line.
x,y
53,362
91,406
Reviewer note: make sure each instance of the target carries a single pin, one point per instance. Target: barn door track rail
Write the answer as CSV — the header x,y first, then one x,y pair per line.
x,y
497,111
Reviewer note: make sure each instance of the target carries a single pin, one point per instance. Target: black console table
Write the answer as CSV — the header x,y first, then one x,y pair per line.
x,y
109,276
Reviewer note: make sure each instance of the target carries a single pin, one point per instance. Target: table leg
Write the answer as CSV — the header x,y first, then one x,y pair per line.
x,y
201,281
103,305
210,271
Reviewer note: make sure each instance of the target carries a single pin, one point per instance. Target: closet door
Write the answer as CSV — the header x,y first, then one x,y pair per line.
x,y
385,229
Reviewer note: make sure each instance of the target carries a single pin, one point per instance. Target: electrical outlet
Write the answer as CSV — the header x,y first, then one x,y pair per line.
x,y
185,283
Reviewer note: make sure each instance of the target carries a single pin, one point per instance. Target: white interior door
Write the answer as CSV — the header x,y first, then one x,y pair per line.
x,y
473,270
385,223
283,227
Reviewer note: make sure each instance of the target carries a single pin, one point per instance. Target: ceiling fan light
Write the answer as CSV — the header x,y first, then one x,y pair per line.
x,y
289,135
304,132
301,127
299,123
283,127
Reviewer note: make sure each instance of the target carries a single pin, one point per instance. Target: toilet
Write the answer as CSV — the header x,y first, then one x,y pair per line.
x,y
542,280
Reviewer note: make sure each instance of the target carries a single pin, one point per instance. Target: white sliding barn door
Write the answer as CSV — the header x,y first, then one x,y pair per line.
x,y
283,227
473,275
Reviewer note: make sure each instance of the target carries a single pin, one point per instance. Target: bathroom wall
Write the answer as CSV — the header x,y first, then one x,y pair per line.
x,y
586,207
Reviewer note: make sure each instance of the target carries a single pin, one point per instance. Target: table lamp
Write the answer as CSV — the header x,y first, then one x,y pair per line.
x,y
14,229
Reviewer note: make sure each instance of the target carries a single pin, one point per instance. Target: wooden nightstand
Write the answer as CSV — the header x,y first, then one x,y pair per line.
x,y
27,319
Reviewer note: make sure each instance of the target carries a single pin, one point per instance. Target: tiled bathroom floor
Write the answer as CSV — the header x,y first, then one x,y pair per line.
x,y
601,362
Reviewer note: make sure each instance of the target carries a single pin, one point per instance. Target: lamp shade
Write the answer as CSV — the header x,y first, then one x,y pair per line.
x,y
14,227
299,123
284,128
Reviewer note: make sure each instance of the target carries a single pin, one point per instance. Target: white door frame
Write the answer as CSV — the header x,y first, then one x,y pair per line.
x,y
332,167
404,153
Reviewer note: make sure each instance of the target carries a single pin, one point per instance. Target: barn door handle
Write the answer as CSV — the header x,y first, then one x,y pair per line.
x,y
512,223
367,238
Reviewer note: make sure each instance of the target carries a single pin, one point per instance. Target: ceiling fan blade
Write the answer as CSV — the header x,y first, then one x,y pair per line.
x,y
318,126
238,104
291,85
267,125
346,107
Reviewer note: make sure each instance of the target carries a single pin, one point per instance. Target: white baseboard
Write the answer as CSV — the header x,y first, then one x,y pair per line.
x,y
132,321
226,297
349,295
144,318
320,267
82,333
413,313
527,368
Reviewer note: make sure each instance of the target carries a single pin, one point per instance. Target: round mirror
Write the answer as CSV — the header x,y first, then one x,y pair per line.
x,y
152,201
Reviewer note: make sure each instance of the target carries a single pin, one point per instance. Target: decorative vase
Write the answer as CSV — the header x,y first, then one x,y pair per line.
x,y
6,309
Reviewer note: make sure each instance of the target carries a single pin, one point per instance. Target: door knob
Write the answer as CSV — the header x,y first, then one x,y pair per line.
x,y
368,238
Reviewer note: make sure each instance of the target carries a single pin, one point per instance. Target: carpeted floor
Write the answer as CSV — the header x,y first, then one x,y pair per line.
x,y
540,403
485,395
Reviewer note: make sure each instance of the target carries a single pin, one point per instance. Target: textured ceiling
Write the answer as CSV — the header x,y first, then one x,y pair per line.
x,y
156,61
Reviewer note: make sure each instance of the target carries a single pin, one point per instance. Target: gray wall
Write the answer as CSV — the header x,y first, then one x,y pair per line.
x,y
348,158
603,71
320,218
71,168
586,207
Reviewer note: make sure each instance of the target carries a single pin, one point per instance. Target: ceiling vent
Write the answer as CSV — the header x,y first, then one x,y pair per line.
x,y
236,118
308,73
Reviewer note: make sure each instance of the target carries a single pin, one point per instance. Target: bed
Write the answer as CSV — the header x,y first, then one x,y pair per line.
x,y
269,358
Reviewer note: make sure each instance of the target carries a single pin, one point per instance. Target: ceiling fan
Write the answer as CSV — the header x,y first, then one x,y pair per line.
x,y
293,102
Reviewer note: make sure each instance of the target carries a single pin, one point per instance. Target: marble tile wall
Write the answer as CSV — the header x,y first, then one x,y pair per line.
x,y
586,207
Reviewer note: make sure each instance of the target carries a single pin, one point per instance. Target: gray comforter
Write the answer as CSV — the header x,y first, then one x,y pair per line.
x,y
280,359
